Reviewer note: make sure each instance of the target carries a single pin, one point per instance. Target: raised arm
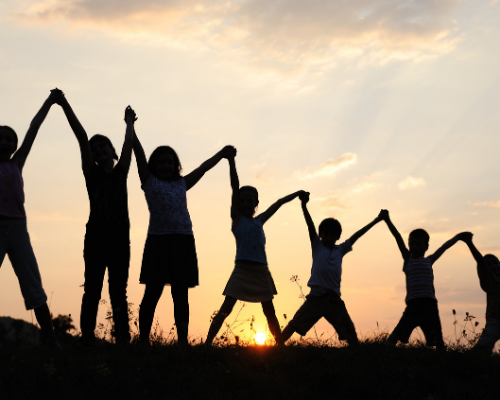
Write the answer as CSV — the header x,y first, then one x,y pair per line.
x,y
22,154
310,224
193,177
482,272
235,188
353,239
439,252
140,158
126,154
81,135
399,240
276,206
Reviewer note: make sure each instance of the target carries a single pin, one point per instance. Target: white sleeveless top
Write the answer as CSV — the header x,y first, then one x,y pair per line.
x,y
250,240
167,203
419,278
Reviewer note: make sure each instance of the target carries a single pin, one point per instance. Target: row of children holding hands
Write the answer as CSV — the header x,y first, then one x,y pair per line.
x,y
170,255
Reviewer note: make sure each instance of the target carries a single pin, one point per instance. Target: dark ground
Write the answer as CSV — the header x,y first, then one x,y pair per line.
x,y
370,370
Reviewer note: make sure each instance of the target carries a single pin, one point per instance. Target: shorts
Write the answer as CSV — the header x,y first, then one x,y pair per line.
x,y
332,308
423,312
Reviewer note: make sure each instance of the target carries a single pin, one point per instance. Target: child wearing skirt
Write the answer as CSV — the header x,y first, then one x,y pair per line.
x,y
170,253
251,280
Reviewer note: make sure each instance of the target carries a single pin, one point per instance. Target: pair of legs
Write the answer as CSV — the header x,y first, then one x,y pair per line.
x,y
15,242
329,306
423,312
226,309
101,253
490,335
152,295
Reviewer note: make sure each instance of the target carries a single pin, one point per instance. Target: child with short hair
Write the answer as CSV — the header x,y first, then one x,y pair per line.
x,y
421,303
169,253
251,280
14,237
488,271
324,299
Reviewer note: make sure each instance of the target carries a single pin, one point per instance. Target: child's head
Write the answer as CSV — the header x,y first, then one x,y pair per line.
x,y
491,260
248,200
8,142
102,149
329,231
165,164
418,242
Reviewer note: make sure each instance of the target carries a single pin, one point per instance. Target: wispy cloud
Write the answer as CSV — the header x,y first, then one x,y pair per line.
x,y
265,176
491,204
330,168
410,182
284,35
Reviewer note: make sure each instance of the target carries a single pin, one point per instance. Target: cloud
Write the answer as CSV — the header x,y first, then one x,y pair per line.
x,y
283,35
410,182
265,176
491,204
332,202
330,168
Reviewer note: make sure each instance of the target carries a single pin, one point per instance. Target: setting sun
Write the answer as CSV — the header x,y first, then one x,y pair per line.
x,y
260,338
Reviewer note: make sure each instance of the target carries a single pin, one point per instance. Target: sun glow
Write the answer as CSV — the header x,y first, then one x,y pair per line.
x,y
260,338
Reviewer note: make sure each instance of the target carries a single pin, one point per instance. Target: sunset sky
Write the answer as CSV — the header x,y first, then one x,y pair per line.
x,y
365,104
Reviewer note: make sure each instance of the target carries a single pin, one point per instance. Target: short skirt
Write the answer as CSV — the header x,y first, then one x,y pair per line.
x,y
251,282
170,259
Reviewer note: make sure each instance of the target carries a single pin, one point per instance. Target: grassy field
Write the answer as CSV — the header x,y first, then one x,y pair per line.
x,y
370,370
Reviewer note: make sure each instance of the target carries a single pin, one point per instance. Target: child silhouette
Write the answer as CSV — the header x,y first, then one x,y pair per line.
x,y
421,303
169,253
488,271
324,299
250,280
14,237
107,237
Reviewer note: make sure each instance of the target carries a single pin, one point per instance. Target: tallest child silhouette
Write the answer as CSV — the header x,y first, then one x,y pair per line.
x,y
107,239
169,253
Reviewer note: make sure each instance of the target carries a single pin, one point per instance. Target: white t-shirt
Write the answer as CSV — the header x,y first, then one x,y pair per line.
x,y
326,270
167,203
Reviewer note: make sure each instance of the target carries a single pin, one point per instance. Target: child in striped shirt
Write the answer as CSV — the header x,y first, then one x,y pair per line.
x,y
421,303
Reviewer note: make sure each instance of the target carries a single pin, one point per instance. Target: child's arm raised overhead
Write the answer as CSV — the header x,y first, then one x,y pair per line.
x,y
482,273
276,206
439,252
304,198
353,239
235,187
399,240
22,154
193,177
126,155
140,158
81,135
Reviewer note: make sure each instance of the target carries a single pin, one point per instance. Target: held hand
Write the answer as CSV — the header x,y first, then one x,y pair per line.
x,y
56,96
304,196
466,237
229,152
130,116
383,215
